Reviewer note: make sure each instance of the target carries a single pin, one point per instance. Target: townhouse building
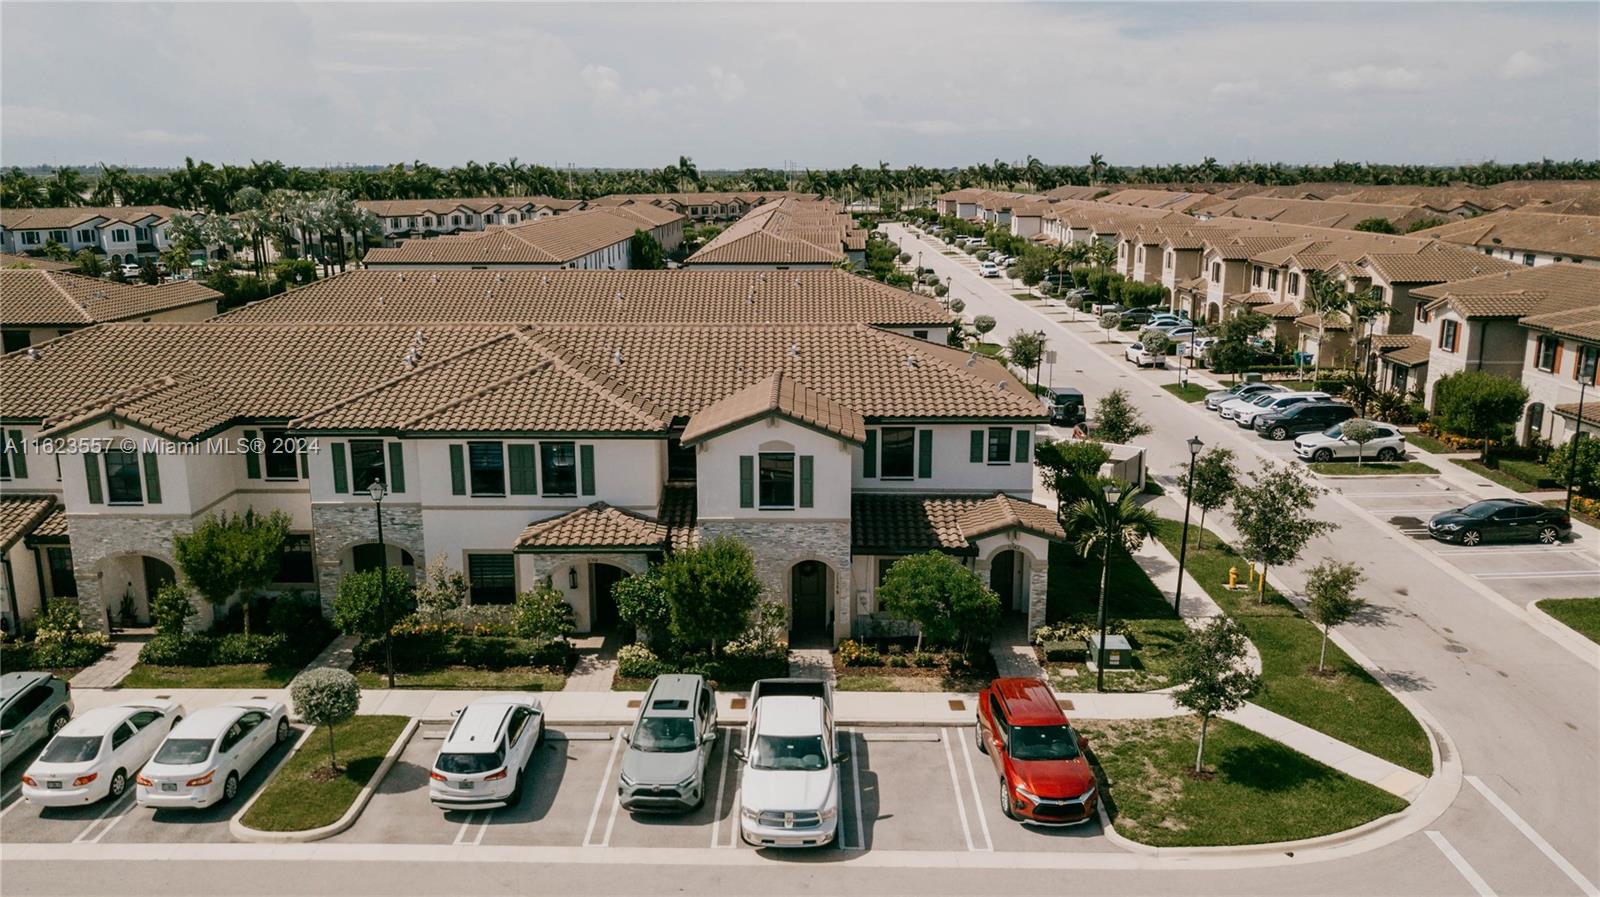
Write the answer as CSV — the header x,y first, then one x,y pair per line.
x,y
37,305
598,239
403,219
564,431
703,206
783,234
119,233
1526,236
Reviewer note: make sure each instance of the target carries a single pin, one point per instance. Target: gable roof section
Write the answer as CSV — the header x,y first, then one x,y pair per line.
x,y
71,216
892,523
598,526
12,260
1521,291
1437,264
785,232
555,240
777,394
1525,229
22,514
38,298
184,407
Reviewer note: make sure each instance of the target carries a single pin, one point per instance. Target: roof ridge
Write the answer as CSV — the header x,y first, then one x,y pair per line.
x,y
385,384
49,277
608,385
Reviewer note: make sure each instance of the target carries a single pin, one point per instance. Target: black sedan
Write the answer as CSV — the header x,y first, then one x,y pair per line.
x,y
1501,520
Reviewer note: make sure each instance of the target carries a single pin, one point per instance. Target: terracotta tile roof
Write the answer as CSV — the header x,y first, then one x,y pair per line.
x,y
556,240
1591,412
1405,349
1279,309
35,297
1439,263
898,523
1519,292
1386,341
10,260
596,527
53,527
600,297
1078,193
1257,298
747,197
1321,213
59,218
20,514
785,232
408,208
1581,323
677,513
181,406
1525,229
1337,321
777,394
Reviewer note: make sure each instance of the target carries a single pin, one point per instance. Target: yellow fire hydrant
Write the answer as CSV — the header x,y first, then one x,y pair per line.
x,y
1233,577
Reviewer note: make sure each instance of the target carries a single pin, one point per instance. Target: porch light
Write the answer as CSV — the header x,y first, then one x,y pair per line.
x,y
1195,445
1112,493
572,577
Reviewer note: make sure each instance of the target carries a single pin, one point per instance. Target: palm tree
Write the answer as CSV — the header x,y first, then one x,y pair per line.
x,y
1367,306
1114,519
65,187
1326,297
1097,167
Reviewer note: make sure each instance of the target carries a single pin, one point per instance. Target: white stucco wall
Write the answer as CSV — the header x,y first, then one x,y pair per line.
x,y
953,468
718,471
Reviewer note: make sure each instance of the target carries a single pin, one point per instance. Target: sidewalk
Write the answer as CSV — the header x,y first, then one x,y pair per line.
x,y
116,663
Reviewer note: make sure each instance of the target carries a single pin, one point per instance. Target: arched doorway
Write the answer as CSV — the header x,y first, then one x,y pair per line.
x,y
1004,574
128,582
370,556
603,615
809,587
1213,312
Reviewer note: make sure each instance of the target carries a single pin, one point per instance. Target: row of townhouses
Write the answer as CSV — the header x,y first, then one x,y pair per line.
x,y
37,304
403,219
597,239
120,234
531,427
786,233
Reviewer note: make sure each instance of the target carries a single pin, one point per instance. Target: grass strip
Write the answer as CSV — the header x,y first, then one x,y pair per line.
x,y
1371,468
1582,614
301,795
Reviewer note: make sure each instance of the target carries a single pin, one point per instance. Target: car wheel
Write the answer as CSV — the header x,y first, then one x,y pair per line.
x,y
1005,801
1322,455
119,784
230,787
1388,454
1471,537
59,720
983,748
1549,535
1280,433
283,732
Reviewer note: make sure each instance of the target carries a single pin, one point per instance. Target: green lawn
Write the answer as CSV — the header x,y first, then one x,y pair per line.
x,y
1371,468
1429,444
1261,790
990,349
1153,629
298,798
1189,393
849,682
1582,614
1026,297
511,678
1503,477
1347,703
231,675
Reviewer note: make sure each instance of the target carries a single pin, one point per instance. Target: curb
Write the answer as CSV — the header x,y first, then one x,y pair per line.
x,y
244,833
1561,632
1368,476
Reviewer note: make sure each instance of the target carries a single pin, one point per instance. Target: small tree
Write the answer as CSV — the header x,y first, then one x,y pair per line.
x,y
1584,476
1273,515
1478,405
1376,226
1071,469
957,306
983,324
440,590
1359,432
542,615
326,697
1026,348
171,609
226,555
710,590
1212,676
1109,321
1155,342
1215,478
357,608
88,264
1331,598
644,252
947,601
642,603
1116,420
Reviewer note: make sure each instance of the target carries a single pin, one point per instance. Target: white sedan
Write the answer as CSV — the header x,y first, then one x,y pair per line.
x,y
94,756
203,758
1331,444
1137,354
989,269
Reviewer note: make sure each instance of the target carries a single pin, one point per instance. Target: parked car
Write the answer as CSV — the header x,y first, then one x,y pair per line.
x,y
1137,316
1044,778
1136,353
96,755
1501,520
1215,400
1178,333
1056,280
1245,416
1329,445
789,778
1196,348
1067,407
33,707
1305,417
1101,308
130,269
483,758
989,269
202,760
1166,319
669,746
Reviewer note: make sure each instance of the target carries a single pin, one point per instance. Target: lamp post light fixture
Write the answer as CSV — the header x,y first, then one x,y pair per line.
x,y
1113,494
1195,445
378,490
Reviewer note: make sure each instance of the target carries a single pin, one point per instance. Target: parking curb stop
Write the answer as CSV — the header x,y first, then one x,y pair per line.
x,y
239,830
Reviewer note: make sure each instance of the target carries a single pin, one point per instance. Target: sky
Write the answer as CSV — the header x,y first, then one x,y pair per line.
x,y
803,86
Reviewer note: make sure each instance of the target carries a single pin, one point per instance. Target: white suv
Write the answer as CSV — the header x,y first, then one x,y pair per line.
x,y
1330,444
481,763
1245,416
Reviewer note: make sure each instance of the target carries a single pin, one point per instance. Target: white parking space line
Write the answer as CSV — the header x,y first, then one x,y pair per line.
x,y
1538,840
977,802
1540,574
464,834
722,783
955,788
855,777
611,821
1461,864
600,797
119,807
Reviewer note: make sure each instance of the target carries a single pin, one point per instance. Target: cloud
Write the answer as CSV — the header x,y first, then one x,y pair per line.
x,y
43,121
1236,90
161,136
1523,64
333,67
728,86
1372,77
603,80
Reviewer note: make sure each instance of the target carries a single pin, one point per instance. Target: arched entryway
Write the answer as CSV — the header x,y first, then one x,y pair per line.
x,y
370,556
128,582
810,584
1213,313
603,615
1005,578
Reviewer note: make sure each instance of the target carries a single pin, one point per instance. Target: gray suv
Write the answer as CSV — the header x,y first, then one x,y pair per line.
x,y
669,746
33,707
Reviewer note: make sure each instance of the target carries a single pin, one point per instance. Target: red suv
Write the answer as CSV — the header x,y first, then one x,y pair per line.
x,y
1044,777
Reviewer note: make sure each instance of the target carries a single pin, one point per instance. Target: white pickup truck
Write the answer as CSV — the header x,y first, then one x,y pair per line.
x,y
789,777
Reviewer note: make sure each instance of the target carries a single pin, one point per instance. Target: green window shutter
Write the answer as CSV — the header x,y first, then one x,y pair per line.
x,y
925,454
1023,436
458,471
341,471
524,465
397,467
91,470
152,480
747,481
586,469
978,437
252,458
806,465
19,458
869,456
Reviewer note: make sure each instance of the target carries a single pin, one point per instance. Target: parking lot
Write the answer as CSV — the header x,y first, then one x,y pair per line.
x,y
916,789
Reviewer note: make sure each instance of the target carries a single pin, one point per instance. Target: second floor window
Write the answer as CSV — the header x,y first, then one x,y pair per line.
x,y
279,457
776,480
1449,335
85,236
1294,283
119,235
558,467
122,478
487,463
899,452
1527,259
999,445
1272,279
1547,353
1216,272
1255,276
1588,361
366,463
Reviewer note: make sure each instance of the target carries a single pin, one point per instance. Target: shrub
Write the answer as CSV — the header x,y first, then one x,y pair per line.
x,y
852,653
239,647
638,662
356,609
171,609
179,649
543,615
61,640
298,615
326,697
905,257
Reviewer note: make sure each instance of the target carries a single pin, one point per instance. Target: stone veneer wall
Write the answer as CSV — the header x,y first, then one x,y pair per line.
x,y
338,527
779,545
95,538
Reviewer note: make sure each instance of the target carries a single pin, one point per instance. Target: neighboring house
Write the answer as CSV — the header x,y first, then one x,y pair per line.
x,y
31,568
597,239
120,233
1312,212
1526,237
38,305
43,263
708,206
961,203
787,233
403,219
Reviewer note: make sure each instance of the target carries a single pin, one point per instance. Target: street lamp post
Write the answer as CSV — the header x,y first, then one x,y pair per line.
x,y
1195,445
378,490
1586,366
1113,494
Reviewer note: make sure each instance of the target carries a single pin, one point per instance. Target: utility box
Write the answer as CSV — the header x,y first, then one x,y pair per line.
x,y
1119,654
1252,376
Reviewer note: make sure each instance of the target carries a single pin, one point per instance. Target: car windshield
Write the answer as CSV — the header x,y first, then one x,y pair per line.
x,y
469,764
788,752
670,734
71,749
184,751
1264,399
1482,508
1043,743
1334,431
